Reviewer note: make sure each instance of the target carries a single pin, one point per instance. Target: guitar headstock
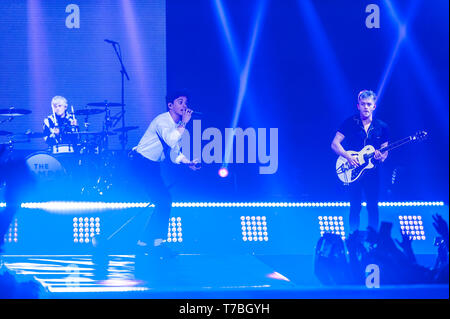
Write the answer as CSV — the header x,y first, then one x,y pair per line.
x,y
419,136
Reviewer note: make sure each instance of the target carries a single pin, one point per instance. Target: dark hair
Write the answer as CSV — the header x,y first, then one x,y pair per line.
x,y
173,95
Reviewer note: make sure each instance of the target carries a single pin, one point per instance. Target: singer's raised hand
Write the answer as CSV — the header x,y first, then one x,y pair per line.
x,y
187,114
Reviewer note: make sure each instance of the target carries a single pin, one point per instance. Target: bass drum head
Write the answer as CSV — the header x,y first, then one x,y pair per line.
x,y
45,167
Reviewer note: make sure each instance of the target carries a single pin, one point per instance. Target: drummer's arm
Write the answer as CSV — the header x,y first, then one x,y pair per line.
x,y
73,121
50,133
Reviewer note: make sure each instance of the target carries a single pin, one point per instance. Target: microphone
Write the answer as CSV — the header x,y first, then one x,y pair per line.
x,y
196,112
110,41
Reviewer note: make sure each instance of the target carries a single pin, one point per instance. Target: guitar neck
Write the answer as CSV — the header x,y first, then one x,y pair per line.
x,y
396,144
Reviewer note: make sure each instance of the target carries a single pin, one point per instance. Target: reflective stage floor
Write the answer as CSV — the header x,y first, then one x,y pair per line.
x,y
214,257
192,276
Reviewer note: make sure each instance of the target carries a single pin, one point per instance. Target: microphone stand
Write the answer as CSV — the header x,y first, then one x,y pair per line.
x,y
124,73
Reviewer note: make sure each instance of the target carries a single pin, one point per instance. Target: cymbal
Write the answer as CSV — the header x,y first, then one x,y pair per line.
x,y
29,135
12,111
104,104
125,129
35,134
5,133
89,111
95,133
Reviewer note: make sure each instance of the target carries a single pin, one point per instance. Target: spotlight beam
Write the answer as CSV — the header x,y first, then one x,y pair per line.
x,y
227,33
244,72
243,82
389,67
328,61
395,52
39,60
137,51
422,70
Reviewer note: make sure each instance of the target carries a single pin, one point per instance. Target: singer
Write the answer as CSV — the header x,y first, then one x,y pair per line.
x,y
59,125
161,140
356,132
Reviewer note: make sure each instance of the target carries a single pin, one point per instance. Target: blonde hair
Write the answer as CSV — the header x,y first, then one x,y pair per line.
x,y
364,94
59,98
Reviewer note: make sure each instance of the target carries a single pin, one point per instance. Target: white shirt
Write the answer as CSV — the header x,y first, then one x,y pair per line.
x,y
160,136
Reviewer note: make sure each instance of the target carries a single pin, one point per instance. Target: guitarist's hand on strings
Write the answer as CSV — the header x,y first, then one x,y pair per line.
x,y
353,161
380,156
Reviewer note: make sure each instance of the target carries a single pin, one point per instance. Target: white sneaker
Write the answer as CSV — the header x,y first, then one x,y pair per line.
x,y
141,243
157,242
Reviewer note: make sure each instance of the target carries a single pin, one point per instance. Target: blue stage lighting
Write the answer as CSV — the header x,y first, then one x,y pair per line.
x,y
174,232
241,69
389,67
331,224
254,228
227,33
330,66
70,206
12,234
223,172
85,229
412,225
420,66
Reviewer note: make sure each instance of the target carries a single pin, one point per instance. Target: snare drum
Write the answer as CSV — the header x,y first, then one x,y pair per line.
x,y
62,149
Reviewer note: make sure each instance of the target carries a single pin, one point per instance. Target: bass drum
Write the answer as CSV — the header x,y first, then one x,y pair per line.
x,y
45,167
53,174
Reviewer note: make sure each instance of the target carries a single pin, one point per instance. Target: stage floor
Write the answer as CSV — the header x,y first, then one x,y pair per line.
x,y
190,276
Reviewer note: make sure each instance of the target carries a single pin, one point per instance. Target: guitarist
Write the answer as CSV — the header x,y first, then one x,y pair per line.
x,y
356,132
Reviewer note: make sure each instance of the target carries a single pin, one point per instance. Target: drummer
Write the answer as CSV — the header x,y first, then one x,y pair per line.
x,y
60,125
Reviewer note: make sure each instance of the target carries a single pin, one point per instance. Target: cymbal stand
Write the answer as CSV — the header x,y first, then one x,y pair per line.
x,y
124,74
107,125
8,119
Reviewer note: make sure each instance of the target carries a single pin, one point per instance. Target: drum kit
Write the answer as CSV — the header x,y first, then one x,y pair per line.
x,y
86,159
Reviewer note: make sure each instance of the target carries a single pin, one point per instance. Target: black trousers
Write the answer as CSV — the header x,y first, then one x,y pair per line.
x,y
369,184
147,174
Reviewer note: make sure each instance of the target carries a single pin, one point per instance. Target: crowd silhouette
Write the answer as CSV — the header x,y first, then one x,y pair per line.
x,y
344,262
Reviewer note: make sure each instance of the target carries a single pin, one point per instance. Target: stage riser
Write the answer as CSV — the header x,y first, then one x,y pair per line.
x,y
207,229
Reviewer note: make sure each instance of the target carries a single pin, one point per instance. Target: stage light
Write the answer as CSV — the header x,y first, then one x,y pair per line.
x,y
11,235
331,224
410,204
223,172
254,228
84,229
68,206
175,230
412,225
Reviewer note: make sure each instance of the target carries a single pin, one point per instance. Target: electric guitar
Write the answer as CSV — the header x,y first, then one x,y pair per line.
x,y
348,173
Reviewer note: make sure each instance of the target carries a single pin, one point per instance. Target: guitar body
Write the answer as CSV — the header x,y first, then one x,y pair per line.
x,y
347,173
